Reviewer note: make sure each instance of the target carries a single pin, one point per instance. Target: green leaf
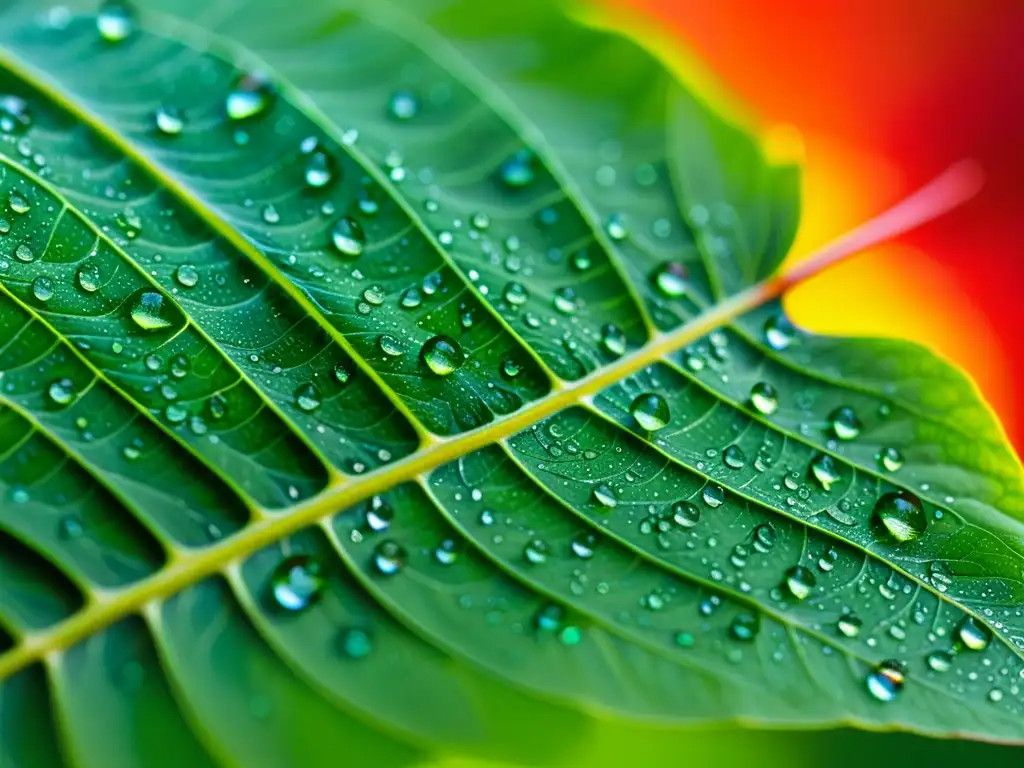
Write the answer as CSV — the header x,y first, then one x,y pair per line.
x,y
330,333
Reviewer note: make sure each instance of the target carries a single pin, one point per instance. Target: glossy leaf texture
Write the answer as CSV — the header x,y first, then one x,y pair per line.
x,y
301,309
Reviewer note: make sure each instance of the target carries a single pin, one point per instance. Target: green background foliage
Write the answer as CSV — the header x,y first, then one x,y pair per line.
x,y
297,302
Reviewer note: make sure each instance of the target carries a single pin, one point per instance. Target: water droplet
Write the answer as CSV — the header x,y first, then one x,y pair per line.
x,y
446,553
389,558
516,294
940,661
307,397
973,634
683,639
613,340
685,514
800,582
24,253
252,95
605,496
764,398
995,695
88,276
374,295
713,495
170,121
671,279
296,582
390,346
583,545
62,392
270,214
321,169
779,332
734,457
891,459
565,300
650,411
147,311
518,170
18,204
886,680
481,221
745,627
411,298
70,528
901,515
615,227
115,20
940,576
550,618
825,471
15,116
536,552
42,288
764,538
442,355
845,424
403,106
849,625
356,643
186,275
511,368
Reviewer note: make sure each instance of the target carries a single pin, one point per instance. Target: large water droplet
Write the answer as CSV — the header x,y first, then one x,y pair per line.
x,y
800,581
390,346
901,515
147,311
115,20
442,355
516,294
886,680
88,277
296,582
779,332
650,411
564,300
671,279
685,514
170,121
734,457
348,237
890,459
446,553
605,496
24,253
18,204
307,397
42,288
845,424
584,544
186,275
973,634
713,495
389,558
252,95
825,471
764,398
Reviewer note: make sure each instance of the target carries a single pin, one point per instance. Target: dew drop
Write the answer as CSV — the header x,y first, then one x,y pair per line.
x,y
15,116
745,627
18,204
713,495
70,528
389,558
886,680
685,514
565,300
147,311
516,294
764,398
307,397
42,288
518,170
296,582
974,635
940,661
849,625
764,538
270,214
252,95
24,253
88,276
536,552
170,121
800,582
411,298
115,20
779,332
734,457
900,515
650,411
584,544
891,459
356,643
446,552
615,227
61,392
605,496
671,279
845,424
613,340
825,471
549,618
321,169
186,275
511,368
442,355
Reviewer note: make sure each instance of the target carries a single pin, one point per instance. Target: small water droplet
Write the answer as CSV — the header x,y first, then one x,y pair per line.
x,y
549,618
764,398
901,515
650,411
734,457
974,635
24,253
321,169
825,471
518,171
511,367
849,625
296,583
147,311
800,582
442,355
613,340
845,424
713,495
18,204
584,544
115,20
564,300
356,643
940,661
745,627
779,332
390,346
670,279
536,552
88,276
389,558
446,553
685,514
61,392
605,496
186,275
307,397
403,106
886,680
891,459
516,294
170,121
15,116
615,227
764,538
252,95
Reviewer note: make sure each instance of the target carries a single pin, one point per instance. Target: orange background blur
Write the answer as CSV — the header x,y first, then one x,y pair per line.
x,y
886,94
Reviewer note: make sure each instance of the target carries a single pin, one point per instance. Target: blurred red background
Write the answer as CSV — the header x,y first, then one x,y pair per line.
x,y
886,94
